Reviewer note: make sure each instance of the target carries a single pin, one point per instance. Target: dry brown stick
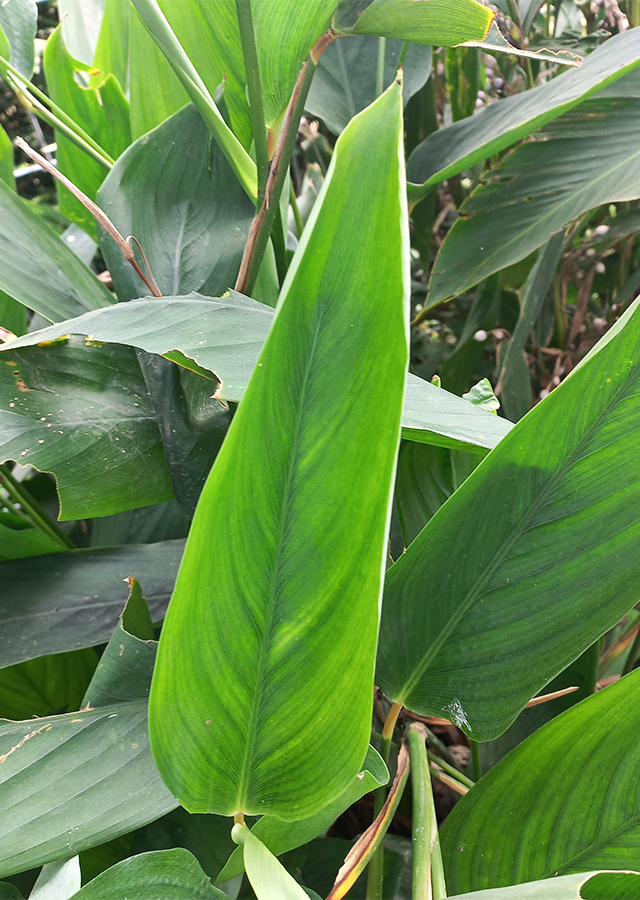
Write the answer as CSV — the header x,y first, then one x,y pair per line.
x,y
99,215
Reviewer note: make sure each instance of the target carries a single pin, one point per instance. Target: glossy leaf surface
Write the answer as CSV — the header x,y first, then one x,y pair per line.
x,y
50,604
225,337
259,600
542,185
441,23
163,875
541,553
449,150
561,769
38,270
174,190
70,408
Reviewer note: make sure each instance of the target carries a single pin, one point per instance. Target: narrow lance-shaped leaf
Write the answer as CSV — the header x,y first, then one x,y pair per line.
x,y
533,557
441,23
286,624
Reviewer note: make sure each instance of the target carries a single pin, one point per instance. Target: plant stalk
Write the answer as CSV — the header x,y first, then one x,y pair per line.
x,y
254,88
450,770
375,876
634,652
33,509
382,48
428,878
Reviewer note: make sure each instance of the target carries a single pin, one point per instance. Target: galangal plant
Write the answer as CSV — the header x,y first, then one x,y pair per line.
x,y
371,572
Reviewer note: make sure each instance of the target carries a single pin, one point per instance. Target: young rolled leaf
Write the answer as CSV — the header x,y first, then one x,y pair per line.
x,y
547,822
450,150
222,338
441,23
269,878
229,702
535,556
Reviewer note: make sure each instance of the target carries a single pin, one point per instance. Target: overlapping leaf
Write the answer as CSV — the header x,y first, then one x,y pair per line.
x,y
585,158
441,23
533,557
178,195
74,409
459,146
224,338
549,821
260,596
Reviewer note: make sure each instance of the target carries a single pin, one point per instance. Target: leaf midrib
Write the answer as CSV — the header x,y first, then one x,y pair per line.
x,y
515,535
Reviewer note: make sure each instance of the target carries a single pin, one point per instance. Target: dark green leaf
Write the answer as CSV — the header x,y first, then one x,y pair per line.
x,y
533,557
47,685
6,159
345,80
38,270
74,408
259,598
162,522
50,604
18,21
451,150
19,539
175,191
555,773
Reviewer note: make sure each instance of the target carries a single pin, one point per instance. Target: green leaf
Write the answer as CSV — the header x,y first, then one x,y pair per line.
x,y
50,604
161,522
269,878
38,270
345,80
47,685
541,186
441,23
556,772
18,21
482,396
514,377
177,194
224,337
450,150
162,875
533,557
260,599
566,887
72,409
19,539
210,36
496,42
148,66
103,112
58,880
6,160
113,44
279,836
81,26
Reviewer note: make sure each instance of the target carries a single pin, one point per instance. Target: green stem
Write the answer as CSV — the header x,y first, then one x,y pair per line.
x,y
475,757
382,47
427,858
375,872
451,770
403,53
34,511
263,222
635,13
634,652
280,247
254,88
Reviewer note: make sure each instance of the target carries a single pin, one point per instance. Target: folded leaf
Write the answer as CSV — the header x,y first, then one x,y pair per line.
x,y
229,718
534,557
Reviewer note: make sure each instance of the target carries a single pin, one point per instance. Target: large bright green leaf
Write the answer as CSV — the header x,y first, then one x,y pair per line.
x,y
533,557
38,270
210,36
225,337
174,190
75,410
51,604
100,109
112,47
345,80
279,836
441,23
229,718
18,23
162,875
587,157
450,150
591,751
585,886
73,781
